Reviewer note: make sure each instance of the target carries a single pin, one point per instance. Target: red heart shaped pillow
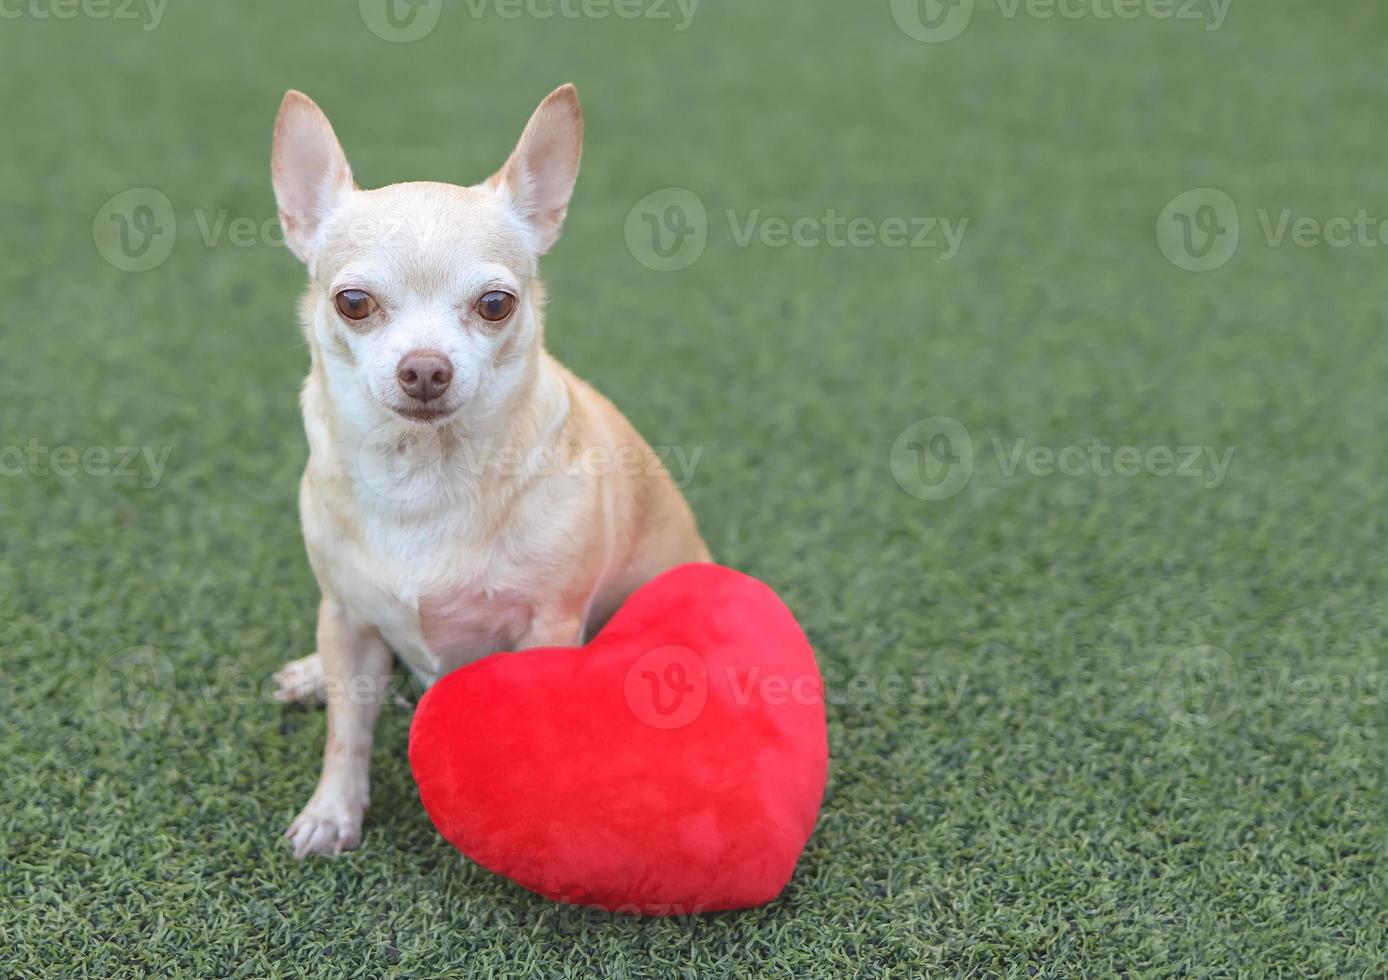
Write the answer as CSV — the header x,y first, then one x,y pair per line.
x,y
674,765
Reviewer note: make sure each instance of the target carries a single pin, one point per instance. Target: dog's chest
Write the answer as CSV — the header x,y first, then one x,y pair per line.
x,y
437,602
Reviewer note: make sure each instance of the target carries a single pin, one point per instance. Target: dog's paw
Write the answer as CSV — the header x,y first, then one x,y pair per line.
x,y
326,828
300,682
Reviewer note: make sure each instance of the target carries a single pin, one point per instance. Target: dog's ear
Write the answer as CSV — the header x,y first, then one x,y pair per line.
x,y
309,170
539,177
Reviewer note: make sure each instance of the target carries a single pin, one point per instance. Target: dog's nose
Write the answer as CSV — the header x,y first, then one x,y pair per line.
x,y
424,374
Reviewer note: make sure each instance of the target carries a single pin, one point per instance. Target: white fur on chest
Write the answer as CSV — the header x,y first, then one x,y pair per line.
x,y
438,603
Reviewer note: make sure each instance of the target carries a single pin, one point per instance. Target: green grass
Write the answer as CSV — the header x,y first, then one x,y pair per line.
x,y
1037,769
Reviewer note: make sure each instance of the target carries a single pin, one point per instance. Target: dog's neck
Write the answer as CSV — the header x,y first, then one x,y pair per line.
x,y
403,469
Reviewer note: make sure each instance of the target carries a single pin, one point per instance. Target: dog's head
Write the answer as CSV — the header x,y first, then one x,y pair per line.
x,y
424,298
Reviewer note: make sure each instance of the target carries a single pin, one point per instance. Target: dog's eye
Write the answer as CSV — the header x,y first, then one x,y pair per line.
x,y
354,304
496,306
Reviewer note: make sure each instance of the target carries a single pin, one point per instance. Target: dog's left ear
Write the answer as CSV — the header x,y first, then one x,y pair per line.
x,y
539,177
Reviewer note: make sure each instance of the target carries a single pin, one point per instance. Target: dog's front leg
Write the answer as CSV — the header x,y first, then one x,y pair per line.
x,y
559,627
356,674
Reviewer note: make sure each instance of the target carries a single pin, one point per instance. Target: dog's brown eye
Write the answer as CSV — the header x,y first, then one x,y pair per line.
x,y
354,304
496,306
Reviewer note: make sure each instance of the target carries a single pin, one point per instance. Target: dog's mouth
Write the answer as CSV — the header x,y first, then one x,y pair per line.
x,y
421,413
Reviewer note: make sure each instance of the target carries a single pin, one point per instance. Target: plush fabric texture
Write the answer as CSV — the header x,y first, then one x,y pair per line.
x,y
674,765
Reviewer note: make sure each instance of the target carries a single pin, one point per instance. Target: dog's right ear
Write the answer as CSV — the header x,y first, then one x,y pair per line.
x,y
309,169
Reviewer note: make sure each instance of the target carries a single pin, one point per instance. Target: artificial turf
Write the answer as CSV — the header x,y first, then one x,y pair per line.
x,y
1082,724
